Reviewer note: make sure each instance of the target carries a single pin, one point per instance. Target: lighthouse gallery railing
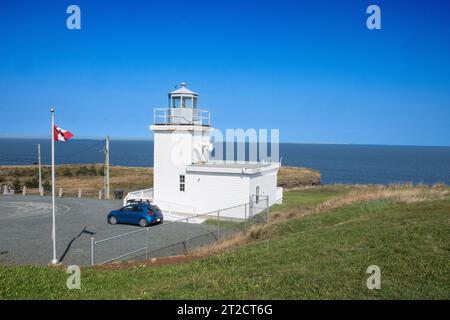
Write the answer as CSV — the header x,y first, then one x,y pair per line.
x,y
190,116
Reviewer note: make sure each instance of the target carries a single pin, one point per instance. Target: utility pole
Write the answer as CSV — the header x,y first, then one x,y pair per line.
x,y
40,170
106,182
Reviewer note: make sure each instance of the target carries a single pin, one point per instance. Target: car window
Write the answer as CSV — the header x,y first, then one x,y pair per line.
x,y
127,208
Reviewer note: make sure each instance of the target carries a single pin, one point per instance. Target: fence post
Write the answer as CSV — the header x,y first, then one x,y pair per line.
x,y
24,191
92,251
218,224
146,250
267,208
99,194
187,234
79,193
250,207
245,219
60,192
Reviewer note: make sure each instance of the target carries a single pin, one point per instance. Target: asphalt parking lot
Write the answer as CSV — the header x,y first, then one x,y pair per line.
x,y
26,223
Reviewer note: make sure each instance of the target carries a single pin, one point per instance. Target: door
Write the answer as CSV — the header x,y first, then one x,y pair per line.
x,y
135,214
125,213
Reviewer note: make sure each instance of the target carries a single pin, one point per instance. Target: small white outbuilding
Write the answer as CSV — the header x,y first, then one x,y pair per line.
x,y
186,181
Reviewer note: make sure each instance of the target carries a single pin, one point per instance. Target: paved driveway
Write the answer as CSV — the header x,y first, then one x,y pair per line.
x,y
25,232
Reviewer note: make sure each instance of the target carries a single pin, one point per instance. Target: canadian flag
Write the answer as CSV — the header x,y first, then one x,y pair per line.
x,y
61,134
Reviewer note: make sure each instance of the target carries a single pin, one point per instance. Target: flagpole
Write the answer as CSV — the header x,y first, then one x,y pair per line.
x,y
54,260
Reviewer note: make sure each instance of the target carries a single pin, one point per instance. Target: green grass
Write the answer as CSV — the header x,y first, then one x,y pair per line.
x,y
309,197
224,223
318,257
305,198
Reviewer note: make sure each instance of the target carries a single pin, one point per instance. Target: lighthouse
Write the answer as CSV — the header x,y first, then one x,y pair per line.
x,y
185,180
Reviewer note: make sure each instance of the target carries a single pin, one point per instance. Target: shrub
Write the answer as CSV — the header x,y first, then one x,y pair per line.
x,y
16,173
17,185
46,185
82,171
46,172
92,171
32,183
66,172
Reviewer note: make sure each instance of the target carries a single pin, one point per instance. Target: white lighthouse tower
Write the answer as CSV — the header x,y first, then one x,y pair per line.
x,y
181,138
185,181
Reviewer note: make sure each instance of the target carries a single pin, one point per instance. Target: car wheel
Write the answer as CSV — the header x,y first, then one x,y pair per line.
x,y
143,223
113,220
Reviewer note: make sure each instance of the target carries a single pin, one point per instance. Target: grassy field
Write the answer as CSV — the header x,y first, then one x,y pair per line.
x,y
308,197
319,246
89,178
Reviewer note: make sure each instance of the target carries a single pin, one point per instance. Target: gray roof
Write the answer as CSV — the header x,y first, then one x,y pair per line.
x,y
183,90
233,165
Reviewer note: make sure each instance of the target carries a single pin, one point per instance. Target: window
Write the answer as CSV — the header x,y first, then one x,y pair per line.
x,y
257,194
182,182
176,102
154,208
136,208
187,102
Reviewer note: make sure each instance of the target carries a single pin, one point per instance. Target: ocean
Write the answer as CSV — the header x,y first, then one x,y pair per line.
x,y
337,163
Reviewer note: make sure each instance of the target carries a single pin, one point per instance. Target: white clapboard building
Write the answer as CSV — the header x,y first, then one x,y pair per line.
x,y
186,181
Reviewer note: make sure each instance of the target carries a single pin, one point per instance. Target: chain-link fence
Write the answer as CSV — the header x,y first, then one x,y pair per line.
x,y
182,235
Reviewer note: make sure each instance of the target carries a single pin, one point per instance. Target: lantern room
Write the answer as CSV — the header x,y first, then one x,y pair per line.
x,y
182,110
183,98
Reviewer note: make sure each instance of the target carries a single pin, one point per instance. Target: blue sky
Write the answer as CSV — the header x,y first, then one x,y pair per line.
x,y
310,68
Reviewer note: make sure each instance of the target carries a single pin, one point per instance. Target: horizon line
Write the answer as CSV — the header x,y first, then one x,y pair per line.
x,y
281,142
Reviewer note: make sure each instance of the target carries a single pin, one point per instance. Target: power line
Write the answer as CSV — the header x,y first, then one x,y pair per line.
x,y
83,150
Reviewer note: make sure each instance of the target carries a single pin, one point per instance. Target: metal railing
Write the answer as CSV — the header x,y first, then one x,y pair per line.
x,y
182,235
189,116
145,194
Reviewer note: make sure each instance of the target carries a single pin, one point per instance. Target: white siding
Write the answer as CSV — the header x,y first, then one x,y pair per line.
x,y
171,155
267,183
211,191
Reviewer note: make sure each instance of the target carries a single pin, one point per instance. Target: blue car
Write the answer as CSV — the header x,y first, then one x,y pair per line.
x,y
142,214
